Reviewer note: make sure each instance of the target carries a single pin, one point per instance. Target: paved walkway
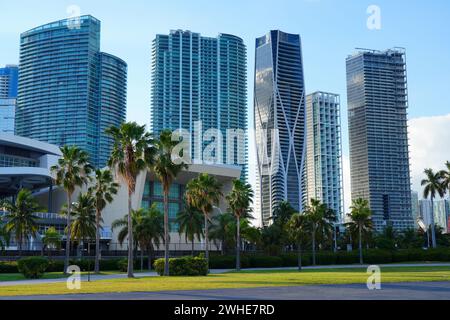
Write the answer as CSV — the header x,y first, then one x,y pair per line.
x,y
391,291
214,271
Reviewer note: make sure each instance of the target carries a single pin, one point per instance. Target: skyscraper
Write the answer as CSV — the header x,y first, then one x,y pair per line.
x,y
8,82
8,96
415,207
279,122
198,84
323,163
69,91
379,157
441,213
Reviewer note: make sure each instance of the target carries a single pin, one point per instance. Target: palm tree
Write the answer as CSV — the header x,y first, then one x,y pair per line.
x,y
122,223
51,238
72,171
162,164
283,212
361,221
4,236
445,176
239,202
140,238
204,193
433,186
83,213
20,218
281,215
410,239
132,145
316,214
190,222
103,192
249,233
223,229
149,230
326,226
298,229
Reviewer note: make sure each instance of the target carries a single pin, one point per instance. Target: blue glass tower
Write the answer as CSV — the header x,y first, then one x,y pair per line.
x,y
201,79
9,82
8,96
279,122
69,91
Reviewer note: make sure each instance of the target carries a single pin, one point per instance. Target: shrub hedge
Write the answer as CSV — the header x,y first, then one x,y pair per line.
x,y
185,266
373,256
8,267
32,267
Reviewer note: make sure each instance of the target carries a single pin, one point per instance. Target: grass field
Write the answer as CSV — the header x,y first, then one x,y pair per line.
x,y
246,279
48,275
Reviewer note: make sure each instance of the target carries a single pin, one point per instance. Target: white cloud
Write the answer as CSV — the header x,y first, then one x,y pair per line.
x,y
429,146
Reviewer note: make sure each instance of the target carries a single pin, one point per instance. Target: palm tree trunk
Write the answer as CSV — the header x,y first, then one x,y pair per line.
x,y
360,245
207,240
149,253
314,246
433,231
142,258
299,248
130,239
20,246
97,242
166,230
238,245
69,208
192,248
81,248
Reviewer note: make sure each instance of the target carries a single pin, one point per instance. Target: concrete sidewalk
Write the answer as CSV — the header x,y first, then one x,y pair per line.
x,y
214,271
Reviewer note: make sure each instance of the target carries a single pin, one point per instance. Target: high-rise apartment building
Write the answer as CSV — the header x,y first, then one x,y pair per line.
x,y
323,162
199,84
379,156
415,207
441,213
69,91
279,109
8,96
8,82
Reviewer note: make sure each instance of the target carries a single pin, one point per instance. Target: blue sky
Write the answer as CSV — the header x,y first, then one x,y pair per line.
x,y
330,30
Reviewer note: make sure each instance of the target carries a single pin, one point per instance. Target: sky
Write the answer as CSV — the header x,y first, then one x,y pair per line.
x,y
330,31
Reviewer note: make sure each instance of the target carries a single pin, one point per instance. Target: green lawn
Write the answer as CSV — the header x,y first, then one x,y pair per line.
x,y
48,275
247,279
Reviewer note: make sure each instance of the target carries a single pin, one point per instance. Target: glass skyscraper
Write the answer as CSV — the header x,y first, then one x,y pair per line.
x,y
198,79
323,163
279,122
441,213
69,91
8,96
8,82
415,208
379,156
